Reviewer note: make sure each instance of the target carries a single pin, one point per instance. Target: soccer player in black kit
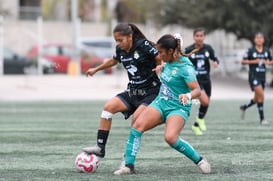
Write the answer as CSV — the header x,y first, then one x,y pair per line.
x,y
140,58
257,57
201,61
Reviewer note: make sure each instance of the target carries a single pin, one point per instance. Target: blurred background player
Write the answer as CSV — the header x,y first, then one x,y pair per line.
x,y
200,60
139,57
257,57
171,107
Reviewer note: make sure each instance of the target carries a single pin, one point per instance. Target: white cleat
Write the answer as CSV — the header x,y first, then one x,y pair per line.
x,y
264,122
204,166
124,170
96,150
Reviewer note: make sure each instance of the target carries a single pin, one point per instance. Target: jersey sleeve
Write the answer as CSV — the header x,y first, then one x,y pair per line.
x,y
269,55
116,56
247,55
189,73
212,56
149,49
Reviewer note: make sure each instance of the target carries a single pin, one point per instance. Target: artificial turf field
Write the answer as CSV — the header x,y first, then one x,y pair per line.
x,y
40,141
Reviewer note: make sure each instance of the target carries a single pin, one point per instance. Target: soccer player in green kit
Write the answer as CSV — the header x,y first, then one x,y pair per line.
x,y
257,57
171,107
201,61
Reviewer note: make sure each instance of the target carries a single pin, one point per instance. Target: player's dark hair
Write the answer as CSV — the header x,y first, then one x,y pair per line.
x,y
169,42
128,29
258,33
199,29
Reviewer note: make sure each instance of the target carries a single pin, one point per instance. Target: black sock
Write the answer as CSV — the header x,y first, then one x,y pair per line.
x,y
202,111
196,124
260,107
251,102
102,138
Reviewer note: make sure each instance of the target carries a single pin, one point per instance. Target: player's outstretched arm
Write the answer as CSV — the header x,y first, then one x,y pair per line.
x,y
109,63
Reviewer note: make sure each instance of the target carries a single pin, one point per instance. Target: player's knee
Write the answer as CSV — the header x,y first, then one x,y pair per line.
x,y
170,138
106,115
138,126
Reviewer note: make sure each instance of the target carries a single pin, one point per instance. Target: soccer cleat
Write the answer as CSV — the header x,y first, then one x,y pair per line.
x,y
96,150
196,130
124,170
264,122
204,166
122,163
243,110
201,123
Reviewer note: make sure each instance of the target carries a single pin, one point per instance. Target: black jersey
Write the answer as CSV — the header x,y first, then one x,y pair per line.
x,y
139,62
200,60
257,71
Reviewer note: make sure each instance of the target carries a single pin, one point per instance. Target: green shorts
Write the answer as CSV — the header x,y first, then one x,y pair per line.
x,y
169,108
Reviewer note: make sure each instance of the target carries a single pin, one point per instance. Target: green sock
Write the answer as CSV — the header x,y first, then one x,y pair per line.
x,y
132,146
184,147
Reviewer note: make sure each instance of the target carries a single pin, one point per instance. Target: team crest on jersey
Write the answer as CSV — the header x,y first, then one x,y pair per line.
x,y
174,71
265,54
254,55
207,54
136,55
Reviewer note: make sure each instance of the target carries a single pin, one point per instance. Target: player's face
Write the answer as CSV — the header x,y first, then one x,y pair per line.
x,y
124,42
259,40
165,55
199,38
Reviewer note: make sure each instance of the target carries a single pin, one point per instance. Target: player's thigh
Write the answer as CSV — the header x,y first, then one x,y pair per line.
x,y
174,125
137,112
148,119
258,93
115,105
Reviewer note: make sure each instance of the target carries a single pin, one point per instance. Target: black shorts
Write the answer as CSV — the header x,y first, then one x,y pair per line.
x,y
206,86
254,82
134,101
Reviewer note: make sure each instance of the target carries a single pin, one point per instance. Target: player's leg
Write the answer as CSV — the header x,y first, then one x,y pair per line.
x,y
141,105
174,125
204,99
111,107
148,119
252,83
259,98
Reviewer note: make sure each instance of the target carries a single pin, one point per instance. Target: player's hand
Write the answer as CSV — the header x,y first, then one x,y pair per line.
x,y
184,99
215,64
158,69
91,72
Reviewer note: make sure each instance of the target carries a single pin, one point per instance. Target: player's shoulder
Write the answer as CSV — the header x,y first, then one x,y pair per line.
x,y
189,48
207,46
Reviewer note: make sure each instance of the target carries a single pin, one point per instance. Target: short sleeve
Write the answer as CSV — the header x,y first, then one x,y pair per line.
x,y
246,55
269,55
212,54
149,49
116,56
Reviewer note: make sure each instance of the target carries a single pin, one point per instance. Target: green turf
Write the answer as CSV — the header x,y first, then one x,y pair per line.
x,y
40,141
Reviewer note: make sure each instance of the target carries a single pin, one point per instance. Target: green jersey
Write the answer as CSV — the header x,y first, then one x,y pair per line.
x,y
174,79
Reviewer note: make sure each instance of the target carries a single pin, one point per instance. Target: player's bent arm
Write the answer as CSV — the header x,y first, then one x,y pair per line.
x,y
109,63
244,62
193,94
195,89
269,62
